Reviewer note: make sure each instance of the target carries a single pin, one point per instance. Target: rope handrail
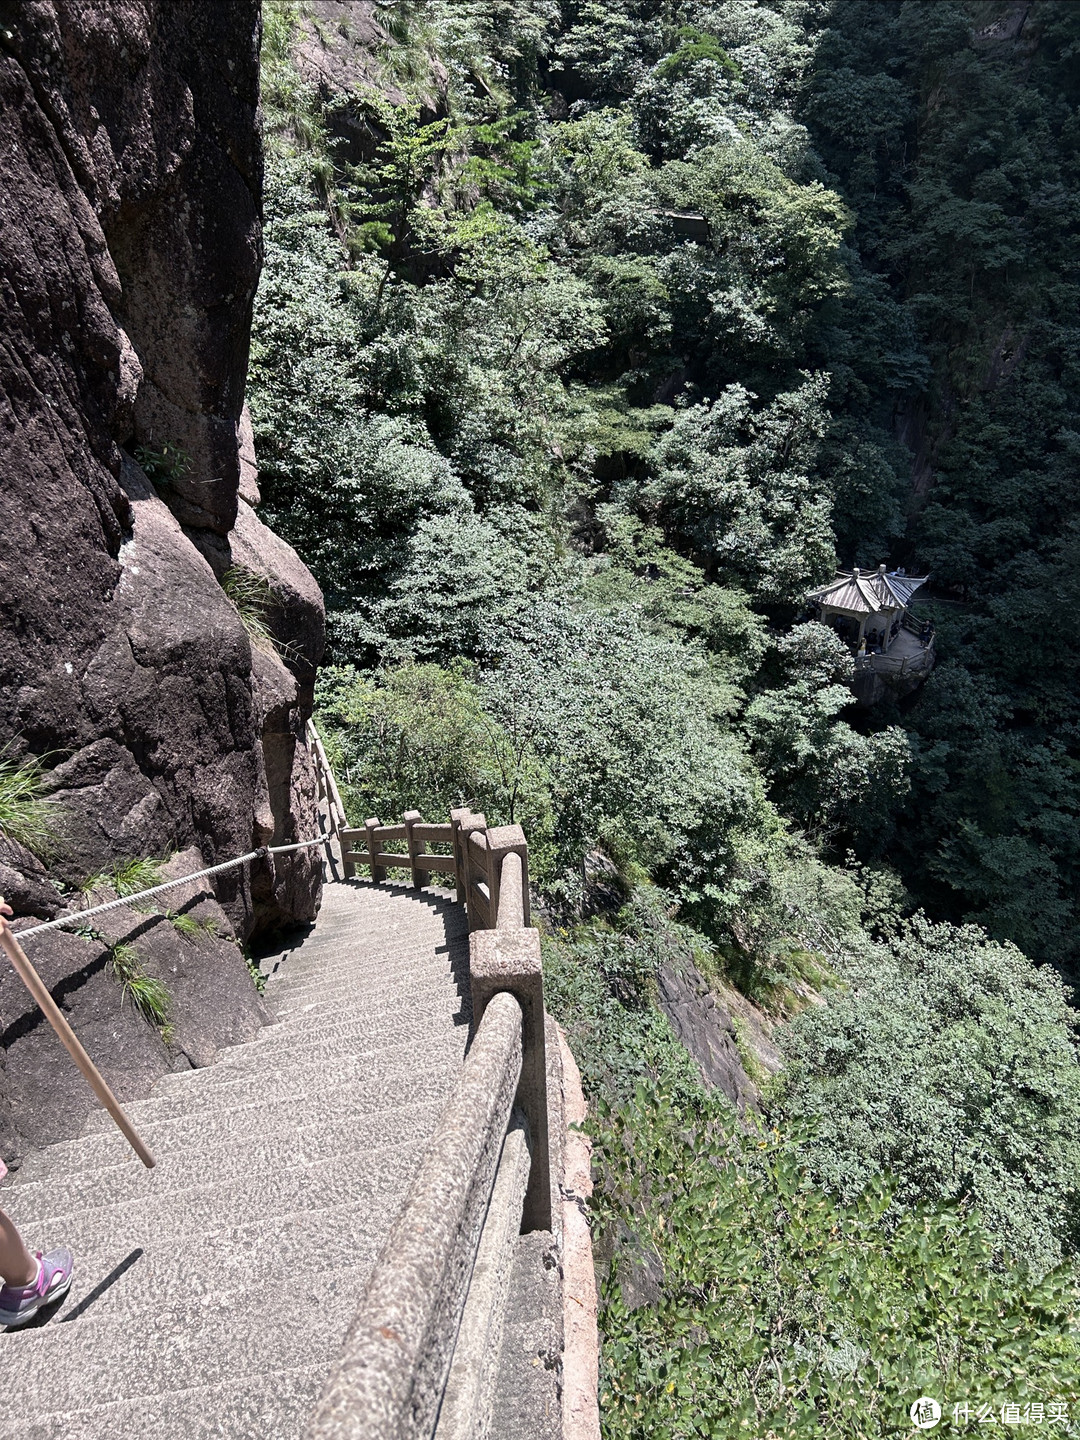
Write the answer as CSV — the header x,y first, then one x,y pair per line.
x,y
11,944
78,916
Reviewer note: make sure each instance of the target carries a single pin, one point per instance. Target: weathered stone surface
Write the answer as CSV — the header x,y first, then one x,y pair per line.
x,y
286,889
468,1400
284,886
46,1099
528,1399
297,616
249,469
129,244
509,961
24,883
528,1403
212,999
707,1030
130,177
581,1343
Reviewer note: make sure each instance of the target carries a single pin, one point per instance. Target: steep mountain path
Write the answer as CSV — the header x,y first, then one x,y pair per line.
x,y
212,1293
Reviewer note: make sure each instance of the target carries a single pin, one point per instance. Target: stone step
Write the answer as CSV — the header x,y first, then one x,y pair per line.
x,y
359,1095
369,945
427,963
245,1300
354,938
275,1405
321,1040
414,999
120,1176
381,987
367,1177
389,957
311,1084
385,907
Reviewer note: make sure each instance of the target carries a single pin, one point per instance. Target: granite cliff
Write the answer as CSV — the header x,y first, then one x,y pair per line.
x,y
130,249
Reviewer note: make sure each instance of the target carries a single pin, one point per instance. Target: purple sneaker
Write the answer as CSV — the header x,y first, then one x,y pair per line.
x,y
20,1303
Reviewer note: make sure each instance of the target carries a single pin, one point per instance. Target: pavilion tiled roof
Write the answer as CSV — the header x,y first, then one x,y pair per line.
x,y
865,592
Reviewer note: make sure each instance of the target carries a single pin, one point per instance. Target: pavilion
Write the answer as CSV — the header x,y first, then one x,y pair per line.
x,y
869,608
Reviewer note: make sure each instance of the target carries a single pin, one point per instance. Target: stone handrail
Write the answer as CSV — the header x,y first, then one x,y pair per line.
x,y
389,1380
327,786
490,866
392,1376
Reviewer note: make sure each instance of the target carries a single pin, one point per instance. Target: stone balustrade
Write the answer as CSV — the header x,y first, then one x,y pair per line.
x,y
493,1139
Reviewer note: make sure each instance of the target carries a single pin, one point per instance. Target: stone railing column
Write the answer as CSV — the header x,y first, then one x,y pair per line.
x,y
471,867
509,960
420,876
506,840
378,872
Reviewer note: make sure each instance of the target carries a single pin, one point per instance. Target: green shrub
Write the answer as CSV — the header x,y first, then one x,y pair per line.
x,y
693,46
413,737
258,976
600,984
163,464
783,1311
950,1061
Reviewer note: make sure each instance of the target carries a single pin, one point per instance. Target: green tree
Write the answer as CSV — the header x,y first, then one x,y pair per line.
x,y
824,774
738,485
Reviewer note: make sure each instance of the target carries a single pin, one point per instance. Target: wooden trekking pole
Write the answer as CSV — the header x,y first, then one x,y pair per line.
x,y
34,983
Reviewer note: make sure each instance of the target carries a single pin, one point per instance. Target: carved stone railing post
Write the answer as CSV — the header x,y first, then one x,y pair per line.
x,y
473,831
457,842
504,840
378,872
509,960
417,847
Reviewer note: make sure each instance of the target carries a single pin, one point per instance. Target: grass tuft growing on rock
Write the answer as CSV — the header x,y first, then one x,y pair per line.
x,y
253,600
149,995
26,815
190,927
131,876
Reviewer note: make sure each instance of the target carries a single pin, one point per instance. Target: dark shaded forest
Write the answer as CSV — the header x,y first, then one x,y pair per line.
x,y
590,338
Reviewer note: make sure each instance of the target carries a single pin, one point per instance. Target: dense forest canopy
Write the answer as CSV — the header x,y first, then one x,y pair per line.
x,y
590,338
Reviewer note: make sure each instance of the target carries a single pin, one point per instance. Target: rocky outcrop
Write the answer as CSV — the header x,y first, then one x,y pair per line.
x,y
334,51
209,1002
130,250
130,246
705,1027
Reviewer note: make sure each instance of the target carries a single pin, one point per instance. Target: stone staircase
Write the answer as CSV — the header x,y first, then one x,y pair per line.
x,y
213,1293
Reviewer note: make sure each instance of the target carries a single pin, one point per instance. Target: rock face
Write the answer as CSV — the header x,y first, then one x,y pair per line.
x,y
708,1032
334,51
130,247
209,996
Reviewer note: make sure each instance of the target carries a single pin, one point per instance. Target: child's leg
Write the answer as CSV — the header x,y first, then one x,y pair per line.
x,y
17,1265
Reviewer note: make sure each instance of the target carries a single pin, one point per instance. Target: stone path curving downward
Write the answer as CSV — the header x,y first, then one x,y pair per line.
x,y
213,1293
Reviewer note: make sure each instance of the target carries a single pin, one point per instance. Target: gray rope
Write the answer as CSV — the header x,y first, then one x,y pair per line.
x,y
81,915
